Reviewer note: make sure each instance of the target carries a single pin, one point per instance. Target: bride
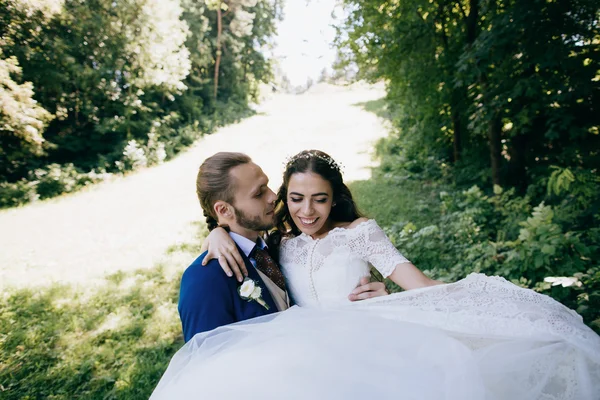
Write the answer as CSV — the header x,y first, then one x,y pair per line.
x,y
479,338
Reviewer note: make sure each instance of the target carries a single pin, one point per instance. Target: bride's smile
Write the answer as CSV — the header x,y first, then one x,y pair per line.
x,y
309,202
308,222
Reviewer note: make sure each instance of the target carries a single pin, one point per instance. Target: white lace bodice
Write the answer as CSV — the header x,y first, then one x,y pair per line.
x,y
325,271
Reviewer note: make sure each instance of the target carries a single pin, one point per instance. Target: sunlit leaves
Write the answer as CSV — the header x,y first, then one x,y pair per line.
x,y
158,44
22,119
111,70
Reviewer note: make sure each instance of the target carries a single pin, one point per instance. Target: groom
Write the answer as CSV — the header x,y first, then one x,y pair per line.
x,y
233,192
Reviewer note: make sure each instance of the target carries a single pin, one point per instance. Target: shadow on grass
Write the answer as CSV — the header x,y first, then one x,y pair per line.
x,y
390,201
377,107
112,341
115,340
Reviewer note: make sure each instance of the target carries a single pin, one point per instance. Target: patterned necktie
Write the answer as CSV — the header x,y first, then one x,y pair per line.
x,y
268,266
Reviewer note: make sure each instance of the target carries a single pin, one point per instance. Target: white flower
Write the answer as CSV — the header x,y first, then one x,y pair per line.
x,y
256,293
564,281
250,291
247,289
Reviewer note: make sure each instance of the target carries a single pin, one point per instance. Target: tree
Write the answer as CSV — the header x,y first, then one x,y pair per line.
x,y
22,119
494,83
239,25
112,73
106,69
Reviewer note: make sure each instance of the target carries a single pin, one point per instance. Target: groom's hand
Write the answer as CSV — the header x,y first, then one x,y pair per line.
x,y
367,290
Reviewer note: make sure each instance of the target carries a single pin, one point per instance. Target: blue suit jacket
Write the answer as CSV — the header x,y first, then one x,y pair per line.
x,y
208,298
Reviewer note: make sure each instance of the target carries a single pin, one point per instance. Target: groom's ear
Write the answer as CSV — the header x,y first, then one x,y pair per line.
x,y
223,209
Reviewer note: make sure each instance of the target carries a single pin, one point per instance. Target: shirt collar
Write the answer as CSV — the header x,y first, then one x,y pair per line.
x,y
246,244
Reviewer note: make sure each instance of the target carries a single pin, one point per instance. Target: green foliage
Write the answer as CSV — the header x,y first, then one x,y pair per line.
x,y
99,67
560,180
495,104
378,107
22,120
547,240
49,181
472,81
580,186
113,340
501,234
56,179
120,85
17,193
388,200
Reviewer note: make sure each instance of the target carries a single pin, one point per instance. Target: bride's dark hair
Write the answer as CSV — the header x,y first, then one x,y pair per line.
x,y
320,163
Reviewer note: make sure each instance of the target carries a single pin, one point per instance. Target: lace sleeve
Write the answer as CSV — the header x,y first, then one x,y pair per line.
x,y
372,245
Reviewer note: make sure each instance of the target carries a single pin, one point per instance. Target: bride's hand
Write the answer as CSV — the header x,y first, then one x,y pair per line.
x,y
220,246
367,290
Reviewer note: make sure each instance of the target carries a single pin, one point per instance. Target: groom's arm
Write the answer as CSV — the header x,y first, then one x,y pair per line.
x,y
205,300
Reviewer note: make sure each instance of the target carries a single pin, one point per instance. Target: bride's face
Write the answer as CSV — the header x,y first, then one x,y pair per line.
x,y
309,201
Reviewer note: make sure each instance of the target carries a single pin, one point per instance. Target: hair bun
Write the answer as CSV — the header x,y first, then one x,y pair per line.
x,y
210,221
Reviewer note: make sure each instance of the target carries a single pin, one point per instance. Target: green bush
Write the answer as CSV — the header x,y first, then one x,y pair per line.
x,y
134,157
544,235
172,138
50,181
56,179
166,138
119,85
500,234
17,193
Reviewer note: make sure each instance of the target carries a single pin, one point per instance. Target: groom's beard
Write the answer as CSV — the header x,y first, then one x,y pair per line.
x,y
252,223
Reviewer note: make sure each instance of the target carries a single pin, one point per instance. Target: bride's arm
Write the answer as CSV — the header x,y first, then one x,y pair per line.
x,y
222,247
407,276
383,255
367,290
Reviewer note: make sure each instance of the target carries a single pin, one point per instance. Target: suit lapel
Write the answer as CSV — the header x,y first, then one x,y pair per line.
x,y
253,274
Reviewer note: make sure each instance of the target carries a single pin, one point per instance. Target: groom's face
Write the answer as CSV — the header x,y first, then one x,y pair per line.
x,y
254,202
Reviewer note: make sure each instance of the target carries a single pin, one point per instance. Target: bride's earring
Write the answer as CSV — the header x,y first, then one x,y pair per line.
x,y
333,205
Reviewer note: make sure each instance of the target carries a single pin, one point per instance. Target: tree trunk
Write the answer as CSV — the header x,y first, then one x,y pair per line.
x,y
495,143
472,19
457,101
218,57
458,96
517,165
457,143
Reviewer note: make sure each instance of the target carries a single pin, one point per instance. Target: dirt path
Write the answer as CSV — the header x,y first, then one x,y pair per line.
x,y
128,223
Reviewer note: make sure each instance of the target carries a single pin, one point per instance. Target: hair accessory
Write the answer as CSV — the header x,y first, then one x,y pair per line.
x,y
311,154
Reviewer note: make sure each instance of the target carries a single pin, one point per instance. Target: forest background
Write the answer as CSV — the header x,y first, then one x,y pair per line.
x,y
491,164
495,107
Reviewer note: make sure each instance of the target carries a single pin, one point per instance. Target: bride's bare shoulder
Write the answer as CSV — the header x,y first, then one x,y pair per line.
x,y
353,224
358,222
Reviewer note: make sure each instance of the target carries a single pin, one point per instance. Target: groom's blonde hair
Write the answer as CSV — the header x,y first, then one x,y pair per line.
x,y
214,182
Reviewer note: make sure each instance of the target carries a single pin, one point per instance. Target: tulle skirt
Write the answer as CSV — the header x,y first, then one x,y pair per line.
x,y
480,338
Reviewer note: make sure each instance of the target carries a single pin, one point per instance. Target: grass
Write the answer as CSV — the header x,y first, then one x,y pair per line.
x,y
113,341
389,201
391,197
377,107
388,197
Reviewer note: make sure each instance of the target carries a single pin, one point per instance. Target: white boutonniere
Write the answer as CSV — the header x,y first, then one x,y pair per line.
x,y
250,291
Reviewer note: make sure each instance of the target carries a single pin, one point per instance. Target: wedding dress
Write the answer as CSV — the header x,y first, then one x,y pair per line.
x,y
479,338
